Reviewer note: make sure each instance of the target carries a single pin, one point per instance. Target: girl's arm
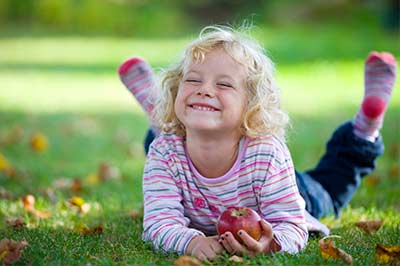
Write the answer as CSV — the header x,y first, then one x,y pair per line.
x,y
281,203
164,222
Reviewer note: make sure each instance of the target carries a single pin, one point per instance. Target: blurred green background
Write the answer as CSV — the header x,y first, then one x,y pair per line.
x,y
175,17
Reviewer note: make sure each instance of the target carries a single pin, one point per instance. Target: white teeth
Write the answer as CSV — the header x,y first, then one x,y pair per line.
x,y
203,108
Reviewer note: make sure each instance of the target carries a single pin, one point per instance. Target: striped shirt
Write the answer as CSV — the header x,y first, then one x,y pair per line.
x,y
180,203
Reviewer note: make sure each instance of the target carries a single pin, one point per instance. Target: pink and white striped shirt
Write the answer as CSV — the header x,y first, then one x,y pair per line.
x,y
180,203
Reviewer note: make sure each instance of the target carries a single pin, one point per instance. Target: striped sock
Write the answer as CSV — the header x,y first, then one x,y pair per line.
x,y
138,78
380,76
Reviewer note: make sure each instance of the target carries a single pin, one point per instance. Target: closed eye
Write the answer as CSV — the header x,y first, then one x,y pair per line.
x,y
193,80
225,85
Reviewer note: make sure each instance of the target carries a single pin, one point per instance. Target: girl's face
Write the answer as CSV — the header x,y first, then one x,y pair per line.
x,y
211,96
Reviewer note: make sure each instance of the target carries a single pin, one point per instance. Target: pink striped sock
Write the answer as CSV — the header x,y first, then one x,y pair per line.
x,y
380,76
138,78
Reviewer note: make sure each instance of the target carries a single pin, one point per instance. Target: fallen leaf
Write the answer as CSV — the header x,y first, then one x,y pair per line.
x,y
388,254
10,250
372,180
39,142
328,250
92,179
134,214
4,164
394,170
16,223
76,185
236,259
369,227
78,202
6,167
29,204
85,230
187,261
106,171
28,201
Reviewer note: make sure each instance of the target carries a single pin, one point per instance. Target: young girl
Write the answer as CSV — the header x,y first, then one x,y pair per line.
x,y
220,142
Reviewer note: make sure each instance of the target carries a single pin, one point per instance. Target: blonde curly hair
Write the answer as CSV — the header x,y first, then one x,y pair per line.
x,y
263,114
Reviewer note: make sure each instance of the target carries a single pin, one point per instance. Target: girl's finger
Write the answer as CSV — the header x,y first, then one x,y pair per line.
x,y
267,229
249,242
226,244
237,247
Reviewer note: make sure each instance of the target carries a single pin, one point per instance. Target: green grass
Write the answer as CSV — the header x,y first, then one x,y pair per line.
x,y
67,88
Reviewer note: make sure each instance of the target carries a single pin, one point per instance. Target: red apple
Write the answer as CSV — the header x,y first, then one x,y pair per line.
x,y
234,219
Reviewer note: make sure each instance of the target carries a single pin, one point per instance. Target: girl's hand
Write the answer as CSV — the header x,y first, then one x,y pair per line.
x,y
204,248
251,247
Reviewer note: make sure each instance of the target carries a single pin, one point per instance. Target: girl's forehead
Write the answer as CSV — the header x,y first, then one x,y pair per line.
x,y
217,58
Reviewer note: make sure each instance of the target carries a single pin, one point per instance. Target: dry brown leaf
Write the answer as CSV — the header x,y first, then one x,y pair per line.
x,y
29,204
106,171
134,214
369,227
372,180
187,261
236,259
39,142
394,170
28,201
85,230
40,214
10,250
388,254
328,250
76,185
16,223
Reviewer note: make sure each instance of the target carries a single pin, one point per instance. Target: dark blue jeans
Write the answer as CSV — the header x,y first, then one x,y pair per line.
x,y
328,187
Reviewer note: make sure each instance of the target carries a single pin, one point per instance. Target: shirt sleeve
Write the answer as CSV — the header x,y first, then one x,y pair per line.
x,y
281,203
164,223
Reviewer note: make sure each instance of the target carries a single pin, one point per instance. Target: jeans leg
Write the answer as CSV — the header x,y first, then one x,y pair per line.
x,y
150,136
347,159
317,199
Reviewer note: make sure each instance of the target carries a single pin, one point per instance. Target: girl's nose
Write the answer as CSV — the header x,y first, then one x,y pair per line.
x,y
206,89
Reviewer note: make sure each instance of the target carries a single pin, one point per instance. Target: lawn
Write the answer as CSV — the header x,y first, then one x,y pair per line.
x,y
66,88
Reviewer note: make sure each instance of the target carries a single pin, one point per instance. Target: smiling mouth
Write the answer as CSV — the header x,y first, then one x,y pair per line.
x,y
203,108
